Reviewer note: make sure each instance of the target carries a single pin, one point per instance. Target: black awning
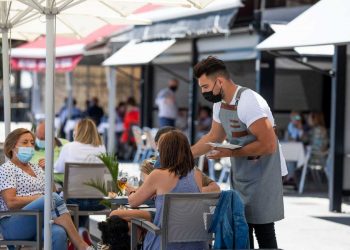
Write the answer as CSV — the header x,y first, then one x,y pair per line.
x,y
218,22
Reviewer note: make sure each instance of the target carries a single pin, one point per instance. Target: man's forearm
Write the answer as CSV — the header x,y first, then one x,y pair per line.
x,y
255,148
201,148
211,188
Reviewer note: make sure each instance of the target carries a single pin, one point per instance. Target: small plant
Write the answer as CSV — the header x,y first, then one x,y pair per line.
x,y
111,162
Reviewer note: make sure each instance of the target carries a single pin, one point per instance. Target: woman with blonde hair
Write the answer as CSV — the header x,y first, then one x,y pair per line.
x,y
22,186
86,146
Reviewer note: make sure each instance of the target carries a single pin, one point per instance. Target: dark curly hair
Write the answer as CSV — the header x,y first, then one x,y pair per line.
x,y
211,67
115,233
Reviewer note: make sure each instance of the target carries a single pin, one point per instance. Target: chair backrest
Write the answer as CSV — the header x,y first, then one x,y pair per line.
x,y
76,174
37,242
184,217
150,144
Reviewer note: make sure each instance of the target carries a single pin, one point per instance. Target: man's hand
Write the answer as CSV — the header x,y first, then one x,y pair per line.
x,y
217,153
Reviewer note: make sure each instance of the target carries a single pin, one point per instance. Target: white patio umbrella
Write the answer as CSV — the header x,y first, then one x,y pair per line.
x,y
11,14
70,17
23,22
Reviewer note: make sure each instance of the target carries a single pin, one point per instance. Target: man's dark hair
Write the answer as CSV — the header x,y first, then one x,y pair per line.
x,y
162,131
211,66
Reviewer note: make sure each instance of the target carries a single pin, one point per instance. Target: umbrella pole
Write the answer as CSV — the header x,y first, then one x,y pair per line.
x,y
111,78
49,124
6,81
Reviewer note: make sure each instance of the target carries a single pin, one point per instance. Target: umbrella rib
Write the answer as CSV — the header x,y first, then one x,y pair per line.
x,y
198,6
67,4
113,9
32,3
28,19
16,19
8,13
69,27
61,8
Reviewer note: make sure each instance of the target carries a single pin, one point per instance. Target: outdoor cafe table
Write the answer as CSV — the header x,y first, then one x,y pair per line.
x,y
294,151
123,201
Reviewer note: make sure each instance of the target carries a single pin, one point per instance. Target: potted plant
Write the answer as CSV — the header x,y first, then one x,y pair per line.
x,y
111,162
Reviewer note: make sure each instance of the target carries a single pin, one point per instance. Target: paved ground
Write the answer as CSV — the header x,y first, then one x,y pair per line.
x,y
309,224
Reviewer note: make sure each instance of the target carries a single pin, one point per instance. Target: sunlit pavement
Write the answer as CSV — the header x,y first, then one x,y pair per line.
x,y
309,225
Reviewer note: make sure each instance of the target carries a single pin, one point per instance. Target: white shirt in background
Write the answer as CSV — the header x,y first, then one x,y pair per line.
x,y
251,107
166,103
78,152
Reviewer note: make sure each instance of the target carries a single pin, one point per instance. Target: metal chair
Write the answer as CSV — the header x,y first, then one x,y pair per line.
x,y
313,168
150,146
137,132
37,243
76,174
185,218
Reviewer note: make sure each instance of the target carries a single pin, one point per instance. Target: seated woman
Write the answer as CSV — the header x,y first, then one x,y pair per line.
x,y
177,175
22,186
86,146
318,139
148,165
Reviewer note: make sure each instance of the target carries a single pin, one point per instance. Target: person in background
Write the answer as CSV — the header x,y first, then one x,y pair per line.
x,y
166,102
182,120
295,129
317,139
148,165
132,117
119,125
39,154
203,122
64,117
86,146
95,112
22,186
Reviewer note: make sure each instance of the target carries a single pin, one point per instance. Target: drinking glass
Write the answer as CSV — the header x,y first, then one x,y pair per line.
x,y
122,181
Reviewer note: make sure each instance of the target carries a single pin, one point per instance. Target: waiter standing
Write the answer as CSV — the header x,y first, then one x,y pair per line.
x,y
243,117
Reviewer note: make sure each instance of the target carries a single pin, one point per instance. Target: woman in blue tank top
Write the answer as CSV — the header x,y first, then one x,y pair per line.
x,y
176,175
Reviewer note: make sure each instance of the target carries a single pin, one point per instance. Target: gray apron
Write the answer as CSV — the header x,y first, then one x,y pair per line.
x,y
257,179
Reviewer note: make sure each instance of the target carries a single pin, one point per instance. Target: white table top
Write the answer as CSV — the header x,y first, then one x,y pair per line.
x,y
294,151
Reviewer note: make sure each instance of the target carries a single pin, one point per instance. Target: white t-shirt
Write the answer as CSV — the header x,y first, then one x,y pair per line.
x,y
166,103
77,152
12,176
251,107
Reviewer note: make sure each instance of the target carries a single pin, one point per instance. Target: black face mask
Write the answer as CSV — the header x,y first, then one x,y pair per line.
x,y
209,96
173,88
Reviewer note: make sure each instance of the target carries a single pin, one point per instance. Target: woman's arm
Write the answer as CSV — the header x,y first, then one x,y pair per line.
x,y
16,202
198,179
147,190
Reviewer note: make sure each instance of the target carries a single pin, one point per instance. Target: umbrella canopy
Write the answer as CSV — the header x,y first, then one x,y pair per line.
x,y
70,17
321,24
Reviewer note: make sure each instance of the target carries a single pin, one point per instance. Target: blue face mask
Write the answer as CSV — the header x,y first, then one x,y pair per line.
x,y
40,143
25,154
